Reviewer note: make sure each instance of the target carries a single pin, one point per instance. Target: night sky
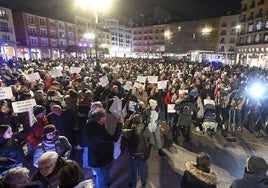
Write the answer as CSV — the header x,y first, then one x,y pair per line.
x,y
181,10
184,9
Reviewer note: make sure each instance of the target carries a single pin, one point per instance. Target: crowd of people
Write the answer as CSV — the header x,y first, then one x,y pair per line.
x,y
81,105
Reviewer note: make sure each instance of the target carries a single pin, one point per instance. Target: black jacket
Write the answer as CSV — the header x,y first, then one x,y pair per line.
x,y
196,178
100,144
12,149
251,180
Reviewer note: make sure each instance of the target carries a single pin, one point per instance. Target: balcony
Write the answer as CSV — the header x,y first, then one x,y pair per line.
x,y
4,17
6,29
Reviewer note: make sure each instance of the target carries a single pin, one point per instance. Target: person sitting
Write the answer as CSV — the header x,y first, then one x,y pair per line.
x,y
198,175
15,177
10,147
255,174
49,165
71,175
52,142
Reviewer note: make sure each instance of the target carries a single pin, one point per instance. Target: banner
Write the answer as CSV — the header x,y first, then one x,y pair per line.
x,y
23,106
6,93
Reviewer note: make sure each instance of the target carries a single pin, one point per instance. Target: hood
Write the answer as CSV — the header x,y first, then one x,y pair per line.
x,y
210,178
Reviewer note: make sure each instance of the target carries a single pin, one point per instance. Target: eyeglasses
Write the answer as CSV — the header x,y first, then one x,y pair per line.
x,y
45,168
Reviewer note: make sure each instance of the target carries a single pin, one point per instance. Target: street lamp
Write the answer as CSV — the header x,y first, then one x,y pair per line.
x,y
95,6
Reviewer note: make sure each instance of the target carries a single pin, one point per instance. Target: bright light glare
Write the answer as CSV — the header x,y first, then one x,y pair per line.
x,y
96,5
89,36
256,90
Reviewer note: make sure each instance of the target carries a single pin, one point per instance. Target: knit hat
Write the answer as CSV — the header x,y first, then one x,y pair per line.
x,y
49,129
82,110
38,109
3,129
152,102
257,165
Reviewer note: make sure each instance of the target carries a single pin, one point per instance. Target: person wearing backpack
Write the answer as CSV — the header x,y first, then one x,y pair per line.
x,y
186,109
139,148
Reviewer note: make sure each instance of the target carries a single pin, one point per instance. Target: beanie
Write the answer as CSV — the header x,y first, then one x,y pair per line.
x,y
257,165
49,129
3,129
152,102
38,109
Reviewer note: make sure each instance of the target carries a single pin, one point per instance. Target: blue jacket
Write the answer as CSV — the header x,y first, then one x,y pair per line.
x,y
251,180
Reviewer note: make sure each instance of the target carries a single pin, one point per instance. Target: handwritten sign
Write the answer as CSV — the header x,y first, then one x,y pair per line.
x,y
171,108
34,76
6,93
116,107
181,91
23,106
55,73
75,70
162,84
128,86
104,81
152,79
141,79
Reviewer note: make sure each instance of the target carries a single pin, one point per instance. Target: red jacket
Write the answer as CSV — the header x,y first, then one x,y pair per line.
x,y
35,137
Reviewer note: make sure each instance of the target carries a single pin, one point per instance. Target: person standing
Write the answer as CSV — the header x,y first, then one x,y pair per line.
x,y
186,109
139,147
255,174
152,121
198,174
100,146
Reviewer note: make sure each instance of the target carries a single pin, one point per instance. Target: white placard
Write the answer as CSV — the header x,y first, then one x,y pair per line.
x,y
207,69
128,86
162,84
32,119
75,70
181,91
138,85
171,108
34,76
141,79
209,101
152,79
6,93
104,81
55,73
23,106
116,107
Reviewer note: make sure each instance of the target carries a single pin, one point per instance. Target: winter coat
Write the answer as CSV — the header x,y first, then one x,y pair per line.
x,y
100,143
60,145
196,178
52,180
185,119
251,180
35,137
12,149
139,141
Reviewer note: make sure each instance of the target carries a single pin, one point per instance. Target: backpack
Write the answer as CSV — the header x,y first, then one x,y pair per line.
x,y
186,110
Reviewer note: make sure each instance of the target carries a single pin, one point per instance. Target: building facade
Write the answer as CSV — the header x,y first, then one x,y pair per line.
x,y
252,42
41,37
8,43
228,31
